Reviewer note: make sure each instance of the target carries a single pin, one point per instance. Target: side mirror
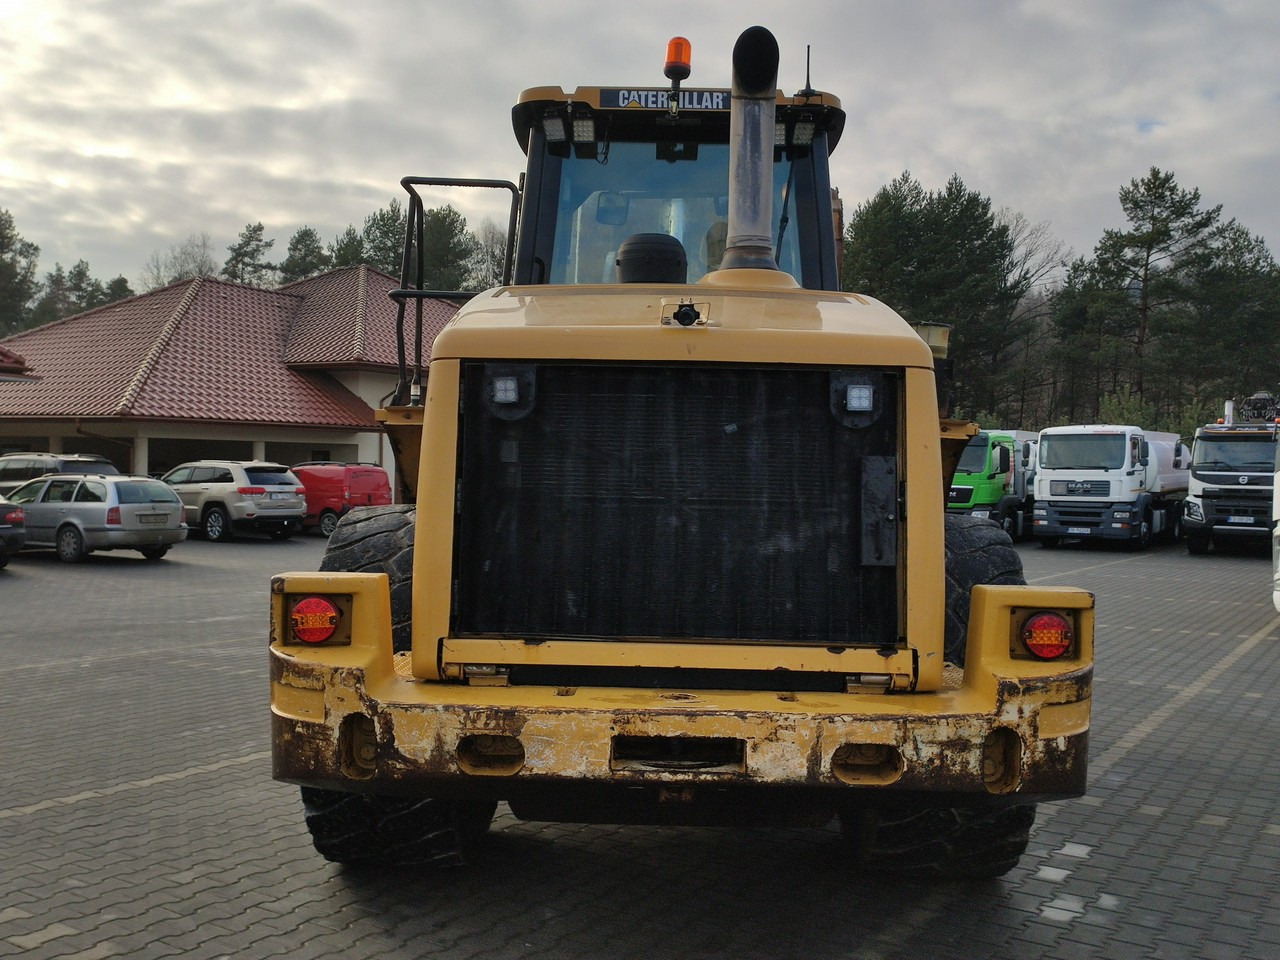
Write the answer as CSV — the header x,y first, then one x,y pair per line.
x,y
1144,452
1003,459
612,209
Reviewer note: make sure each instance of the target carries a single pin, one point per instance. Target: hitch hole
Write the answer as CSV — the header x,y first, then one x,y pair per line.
x,y
1002,761
876,764
490,755
694,754
358,746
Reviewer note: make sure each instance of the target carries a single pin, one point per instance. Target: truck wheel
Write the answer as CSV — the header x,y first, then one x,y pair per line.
x,y
923,841
360,829
1143,539
977,551
379,540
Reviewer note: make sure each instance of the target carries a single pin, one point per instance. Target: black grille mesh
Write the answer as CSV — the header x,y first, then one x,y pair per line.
x,y
671,502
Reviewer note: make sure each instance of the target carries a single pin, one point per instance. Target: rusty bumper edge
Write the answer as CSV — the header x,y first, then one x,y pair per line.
x,y
1000,757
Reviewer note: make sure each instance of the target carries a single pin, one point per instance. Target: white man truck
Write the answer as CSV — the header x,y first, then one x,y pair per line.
x,y
1232,469
1109,482
994,480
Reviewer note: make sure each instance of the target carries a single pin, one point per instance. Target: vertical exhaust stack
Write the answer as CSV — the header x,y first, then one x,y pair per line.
x,y
751,122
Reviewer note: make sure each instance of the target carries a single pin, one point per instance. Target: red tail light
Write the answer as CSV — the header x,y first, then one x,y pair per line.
x,y
15,517
313,619
1047,636
251,491
301,491
113,516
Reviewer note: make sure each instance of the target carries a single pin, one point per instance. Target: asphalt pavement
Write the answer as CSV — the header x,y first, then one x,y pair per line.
x,y
138,817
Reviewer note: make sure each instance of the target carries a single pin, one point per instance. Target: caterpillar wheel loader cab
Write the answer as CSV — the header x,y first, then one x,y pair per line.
x,y
673,546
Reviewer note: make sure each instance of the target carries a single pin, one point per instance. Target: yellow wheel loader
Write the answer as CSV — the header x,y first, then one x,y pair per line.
x,y
672,545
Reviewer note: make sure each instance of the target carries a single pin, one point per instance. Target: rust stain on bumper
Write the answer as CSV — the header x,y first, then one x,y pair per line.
x,y
917,743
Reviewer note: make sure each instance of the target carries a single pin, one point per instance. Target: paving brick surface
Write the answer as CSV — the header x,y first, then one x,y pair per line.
x,y
138,817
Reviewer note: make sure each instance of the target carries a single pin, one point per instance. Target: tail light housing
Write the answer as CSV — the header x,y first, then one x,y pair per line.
x,y
315,619
1047,635
251,491
113,516
15,517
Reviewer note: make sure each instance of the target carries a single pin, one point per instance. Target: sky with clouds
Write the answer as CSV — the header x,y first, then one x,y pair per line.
x,y
127,126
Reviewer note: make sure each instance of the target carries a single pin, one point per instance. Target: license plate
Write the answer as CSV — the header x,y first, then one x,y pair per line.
x,y
1239,519
151,517
282,496
1079,530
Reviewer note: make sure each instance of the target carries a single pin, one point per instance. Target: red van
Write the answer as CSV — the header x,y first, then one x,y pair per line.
x,y
333,488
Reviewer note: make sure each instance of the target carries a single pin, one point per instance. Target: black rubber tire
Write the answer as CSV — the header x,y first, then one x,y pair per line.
x,y
1197,544
393,831
358,829
977,551
328,523
1143,539
153,553
922,841
216,525
70,545
379,540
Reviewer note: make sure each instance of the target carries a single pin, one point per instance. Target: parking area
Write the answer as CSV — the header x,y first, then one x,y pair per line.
x,y
139,819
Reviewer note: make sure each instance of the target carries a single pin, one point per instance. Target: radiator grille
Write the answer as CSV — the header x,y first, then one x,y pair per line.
x,y
677,502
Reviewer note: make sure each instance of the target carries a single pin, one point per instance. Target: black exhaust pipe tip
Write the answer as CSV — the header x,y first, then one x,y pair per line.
x,y
755,63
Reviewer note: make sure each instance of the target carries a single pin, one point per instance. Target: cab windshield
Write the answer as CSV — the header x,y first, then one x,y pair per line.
x,y
1235,453
973,459
1084,451
603,201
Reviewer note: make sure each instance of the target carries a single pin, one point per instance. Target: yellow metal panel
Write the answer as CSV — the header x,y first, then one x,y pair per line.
x,y
602,322
403,426
987,659
433,546
1064,719
290,701
924,567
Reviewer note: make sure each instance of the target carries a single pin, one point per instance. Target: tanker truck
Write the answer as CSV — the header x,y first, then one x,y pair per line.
x,y
1111,483
1232,465
672,545
994,480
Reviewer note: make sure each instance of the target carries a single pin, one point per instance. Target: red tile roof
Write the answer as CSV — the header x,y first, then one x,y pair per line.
x,y
13,365
347,317
205,349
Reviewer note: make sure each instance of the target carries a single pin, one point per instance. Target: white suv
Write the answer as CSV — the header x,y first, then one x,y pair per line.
x,y
222,496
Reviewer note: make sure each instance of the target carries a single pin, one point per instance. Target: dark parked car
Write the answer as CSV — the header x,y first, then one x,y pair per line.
x,y
17,468
79,514
13,529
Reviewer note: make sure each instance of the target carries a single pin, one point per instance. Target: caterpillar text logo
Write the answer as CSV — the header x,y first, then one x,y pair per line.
x,y
661,99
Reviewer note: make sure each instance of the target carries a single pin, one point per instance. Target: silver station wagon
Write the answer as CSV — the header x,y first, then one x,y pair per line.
x,y
77,515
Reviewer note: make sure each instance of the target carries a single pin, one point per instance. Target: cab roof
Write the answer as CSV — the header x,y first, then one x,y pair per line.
x,y
642,113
